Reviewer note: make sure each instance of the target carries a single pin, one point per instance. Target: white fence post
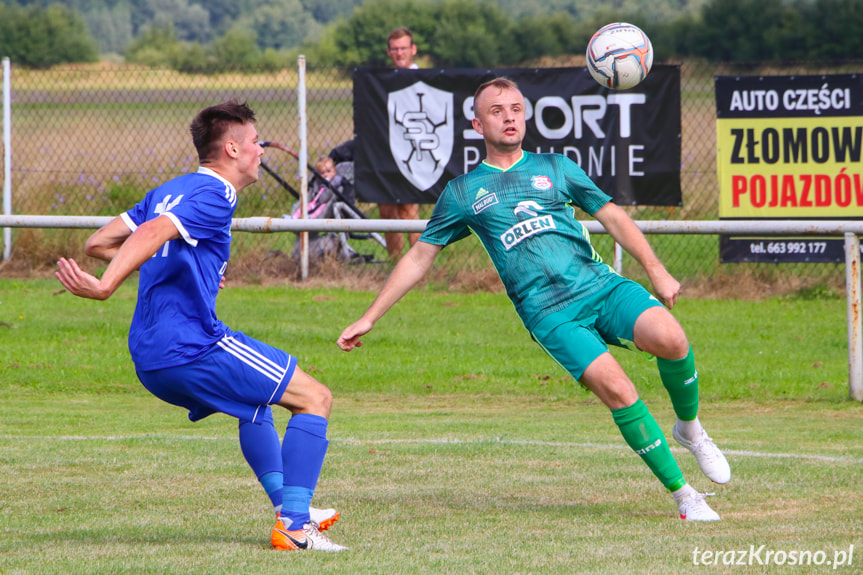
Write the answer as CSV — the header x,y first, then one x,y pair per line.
x,y
304,160
7,156
852,296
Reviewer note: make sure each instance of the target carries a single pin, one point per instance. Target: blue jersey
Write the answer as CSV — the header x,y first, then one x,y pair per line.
x,y
525,219
175,318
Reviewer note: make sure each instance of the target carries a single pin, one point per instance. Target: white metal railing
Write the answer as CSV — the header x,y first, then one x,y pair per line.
x,y
849,229
268,225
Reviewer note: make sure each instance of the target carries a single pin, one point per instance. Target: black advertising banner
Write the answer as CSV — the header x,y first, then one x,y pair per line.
x,y
413,130
788,147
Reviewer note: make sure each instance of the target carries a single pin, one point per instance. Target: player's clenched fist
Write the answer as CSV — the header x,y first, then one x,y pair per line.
x,y
350,338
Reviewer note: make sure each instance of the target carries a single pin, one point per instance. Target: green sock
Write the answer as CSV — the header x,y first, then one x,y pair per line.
x,y
680,378
642,434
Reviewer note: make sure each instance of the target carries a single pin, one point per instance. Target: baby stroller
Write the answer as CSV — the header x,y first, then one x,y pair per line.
x,y
328,199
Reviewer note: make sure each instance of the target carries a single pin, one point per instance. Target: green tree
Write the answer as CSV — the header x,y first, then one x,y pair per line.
x,y
160,48
551,35
156,47
788,39
675,38
447,32
835,31
237,50
225,13
325,11
111,26
535,37
191,22
740,30
282,24
472,34
452,33
43,37
193,58
361,40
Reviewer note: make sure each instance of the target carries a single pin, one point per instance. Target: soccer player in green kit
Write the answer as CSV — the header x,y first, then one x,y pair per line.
x,y
520,206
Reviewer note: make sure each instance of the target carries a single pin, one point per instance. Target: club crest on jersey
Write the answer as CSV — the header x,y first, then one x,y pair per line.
x,y
541,182
421,130
485,201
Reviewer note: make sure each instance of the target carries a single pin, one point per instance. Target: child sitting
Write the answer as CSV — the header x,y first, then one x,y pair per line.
x,y
322,200
321,196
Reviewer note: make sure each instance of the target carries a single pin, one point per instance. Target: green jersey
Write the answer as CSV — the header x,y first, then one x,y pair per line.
x,y
525,218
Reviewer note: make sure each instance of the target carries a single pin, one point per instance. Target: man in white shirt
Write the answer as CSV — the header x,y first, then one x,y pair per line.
x,y
401,49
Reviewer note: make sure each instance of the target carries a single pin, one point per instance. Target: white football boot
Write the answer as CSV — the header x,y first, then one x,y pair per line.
x,y
323,518
306,539
711,461
693,507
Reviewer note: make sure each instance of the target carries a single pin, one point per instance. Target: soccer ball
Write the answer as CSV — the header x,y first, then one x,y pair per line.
x,y
619,56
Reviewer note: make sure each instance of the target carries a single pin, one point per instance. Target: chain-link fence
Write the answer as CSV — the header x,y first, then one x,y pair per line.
x,y
93,140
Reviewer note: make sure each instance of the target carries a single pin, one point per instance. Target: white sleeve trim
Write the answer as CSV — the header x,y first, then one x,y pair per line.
x,y
128,221
185,234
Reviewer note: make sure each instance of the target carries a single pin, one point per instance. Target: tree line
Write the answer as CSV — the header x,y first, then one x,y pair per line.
x,y
263,35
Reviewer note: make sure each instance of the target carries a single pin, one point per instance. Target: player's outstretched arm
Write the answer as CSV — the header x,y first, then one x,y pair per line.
x,y
624,231
106,241
137,249
410,270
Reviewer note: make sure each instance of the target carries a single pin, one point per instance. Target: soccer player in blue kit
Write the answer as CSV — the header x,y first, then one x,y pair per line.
x,y
520,206
179,237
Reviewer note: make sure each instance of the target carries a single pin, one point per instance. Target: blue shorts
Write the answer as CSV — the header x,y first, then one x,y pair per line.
x,y
578,334
239,376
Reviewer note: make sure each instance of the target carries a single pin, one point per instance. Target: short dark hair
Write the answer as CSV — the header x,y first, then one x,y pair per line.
x,y
400,33
501,83
210,125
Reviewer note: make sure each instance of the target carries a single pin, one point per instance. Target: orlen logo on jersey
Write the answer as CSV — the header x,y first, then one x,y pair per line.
x,y
421,132
527,228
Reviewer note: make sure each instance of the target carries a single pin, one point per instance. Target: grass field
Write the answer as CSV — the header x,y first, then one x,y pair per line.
x,y
456,446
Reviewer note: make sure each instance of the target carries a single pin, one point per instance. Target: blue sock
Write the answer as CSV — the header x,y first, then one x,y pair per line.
x,y
263,452
303,452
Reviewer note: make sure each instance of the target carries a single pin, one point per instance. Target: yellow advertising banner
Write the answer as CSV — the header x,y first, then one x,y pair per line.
x,y
788,147
790,167
802,162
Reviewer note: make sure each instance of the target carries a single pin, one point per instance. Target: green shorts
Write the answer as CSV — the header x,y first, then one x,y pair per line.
x,y
578,334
